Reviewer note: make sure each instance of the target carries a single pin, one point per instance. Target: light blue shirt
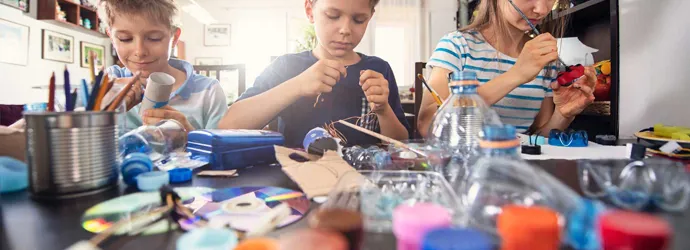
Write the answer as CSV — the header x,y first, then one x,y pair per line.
x,y
201,99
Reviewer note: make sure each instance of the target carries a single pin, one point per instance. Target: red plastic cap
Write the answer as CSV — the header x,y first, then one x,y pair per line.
x,y
633,231
534,228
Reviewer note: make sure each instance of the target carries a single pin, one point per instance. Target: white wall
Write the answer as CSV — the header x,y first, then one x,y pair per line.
x,y
16,81
655,86
270,22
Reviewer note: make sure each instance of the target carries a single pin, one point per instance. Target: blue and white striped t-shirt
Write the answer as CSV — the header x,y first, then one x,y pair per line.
x,y
469,51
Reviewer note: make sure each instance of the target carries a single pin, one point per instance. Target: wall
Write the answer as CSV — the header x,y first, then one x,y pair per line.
x,y
16,81
273,23
653,51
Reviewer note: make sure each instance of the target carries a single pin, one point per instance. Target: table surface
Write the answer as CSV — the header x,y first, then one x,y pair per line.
x,y
30,224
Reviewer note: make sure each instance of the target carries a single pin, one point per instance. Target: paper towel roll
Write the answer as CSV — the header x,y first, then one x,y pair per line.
x,y
157,93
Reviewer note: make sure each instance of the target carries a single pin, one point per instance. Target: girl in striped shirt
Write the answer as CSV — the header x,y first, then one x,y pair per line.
x,y
517,73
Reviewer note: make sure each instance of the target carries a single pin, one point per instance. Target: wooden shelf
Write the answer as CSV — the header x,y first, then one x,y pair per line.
x,y
74,12
592,8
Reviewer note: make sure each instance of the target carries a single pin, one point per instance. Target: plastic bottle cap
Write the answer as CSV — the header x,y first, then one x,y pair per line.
x,y
180,175
14,175
463,75
207,239
133,165
258,244
633,231
582,224
533,228
152,181
499,132
412,222
457,239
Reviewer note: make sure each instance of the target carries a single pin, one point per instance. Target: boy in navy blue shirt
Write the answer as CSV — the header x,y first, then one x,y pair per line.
x,y
331,82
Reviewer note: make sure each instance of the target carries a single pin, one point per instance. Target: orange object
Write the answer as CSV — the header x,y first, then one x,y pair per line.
x,y
123,93
499,144
258,244
534,228
101,92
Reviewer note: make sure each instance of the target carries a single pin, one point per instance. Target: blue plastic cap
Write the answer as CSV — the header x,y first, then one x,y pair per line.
x,y
504,132
133,165
152,181
14,175
207,239
313,135
456,239
463,75
180,175
582,230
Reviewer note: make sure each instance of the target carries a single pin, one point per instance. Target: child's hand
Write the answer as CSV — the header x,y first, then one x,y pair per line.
x,y
535,55
375,88
321,77
153,116
570,101
135,94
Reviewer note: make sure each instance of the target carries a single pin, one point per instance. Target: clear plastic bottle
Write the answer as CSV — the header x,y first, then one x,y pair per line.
x,y
371,158
457,123
500,177
157,141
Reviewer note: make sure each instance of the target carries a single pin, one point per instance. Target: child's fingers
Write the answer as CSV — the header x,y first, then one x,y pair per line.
x,y
555,86
586,90
375,90
332,73
147,120
336,66
369,74
328,80
377,99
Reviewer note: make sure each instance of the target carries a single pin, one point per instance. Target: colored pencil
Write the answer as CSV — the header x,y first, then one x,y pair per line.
x,y
94,92
51,93
92,67
84,93
101,92
123,93
68,92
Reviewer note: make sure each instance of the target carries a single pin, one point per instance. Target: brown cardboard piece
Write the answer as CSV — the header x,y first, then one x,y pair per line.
x,y
316,177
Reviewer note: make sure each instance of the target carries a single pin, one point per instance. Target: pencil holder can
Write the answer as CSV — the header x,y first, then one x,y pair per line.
x,y
71,154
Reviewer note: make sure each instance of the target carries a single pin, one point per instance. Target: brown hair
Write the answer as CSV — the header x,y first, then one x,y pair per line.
x,y
372,3
162,11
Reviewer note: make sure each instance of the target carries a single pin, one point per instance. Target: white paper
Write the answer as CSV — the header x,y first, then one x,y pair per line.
x,y
157,93
572,51
593,151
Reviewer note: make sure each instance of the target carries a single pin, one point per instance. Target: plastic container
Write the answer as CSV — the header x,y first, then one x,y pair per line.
x,y
501,178
412,222
232,149
637,185
157,141
534,228
14,175
457,123
633,231
377,193
457,239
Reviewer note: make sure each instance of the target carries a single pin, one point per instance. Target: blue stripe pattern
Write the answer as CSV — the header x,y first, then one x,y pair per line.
x,y
501,72
523,97
516,108
446,63
516,118
522,127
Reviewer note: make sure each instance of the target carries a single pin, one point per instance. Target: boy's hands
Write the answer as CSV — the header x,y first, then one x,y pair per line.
x,y
135,94
153,116
375,88
321,77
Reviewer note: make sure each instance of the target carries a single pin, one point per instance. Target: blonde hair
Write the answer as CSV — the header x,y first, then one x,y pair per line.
x,y
372,3
162,11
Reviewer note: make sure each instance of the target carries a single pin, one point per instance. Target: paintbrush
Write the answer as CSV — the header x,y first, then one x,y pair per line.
x,y
432,91
123,93
92,67
534,29
383,138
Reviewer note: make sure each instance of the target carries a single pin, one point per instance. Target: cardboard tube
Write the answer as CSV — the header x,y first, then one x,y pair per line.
x,y
157,93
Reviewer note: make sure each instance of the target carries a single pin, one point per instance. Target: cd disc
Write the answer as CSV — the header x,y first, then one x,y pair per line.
x,y
100,217
242,207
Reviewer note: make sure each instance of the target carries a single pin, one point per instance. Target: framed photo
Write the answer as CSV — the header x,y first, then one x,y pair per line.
x,y
208,61
14,43
57,47
99,50
19,4
217,35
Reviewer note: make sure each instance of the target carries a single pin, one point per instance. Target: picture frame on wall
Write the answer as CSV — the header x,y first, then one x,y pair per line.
x,y
14,43
18,4
99,50
217,35
208,61
57,47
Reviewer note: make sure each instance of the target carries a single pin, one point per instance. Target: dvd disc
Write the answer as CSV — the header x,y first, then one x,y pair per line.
x,y
100,217
241,207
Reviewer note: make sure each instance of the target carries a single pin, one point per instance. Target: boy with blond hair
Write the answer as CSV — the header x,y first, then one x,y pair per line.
x,y
144,33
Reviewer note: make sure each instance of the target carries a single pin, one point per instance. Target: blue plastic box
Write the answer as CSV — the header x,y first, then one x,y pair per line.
x,y
233,149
